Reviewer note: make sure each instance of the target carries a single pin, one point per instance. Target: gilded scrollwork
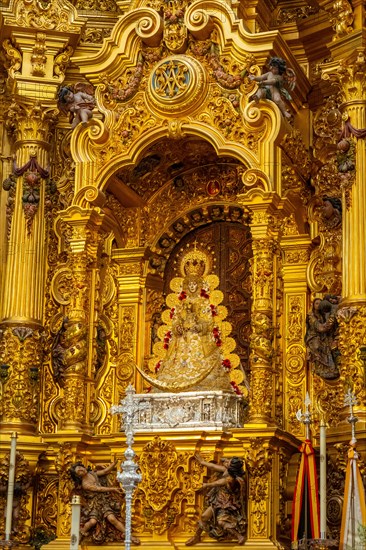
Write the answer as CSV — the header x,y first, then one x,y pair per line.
x,y
295,363
294,14
94,35
296,321
132,121
61,62
258,460
56,16
295,401
328,400
22,490
294,147
352,335
14,58
324,269
342,18
64,459
46,497
221,114
22,349
157,494
261,338
347,75
97,5
38,57
31,122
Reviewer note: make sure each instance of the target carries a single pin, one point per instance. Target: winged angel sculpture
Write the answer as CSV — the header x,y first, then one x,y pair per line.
x,y
77,100
276,84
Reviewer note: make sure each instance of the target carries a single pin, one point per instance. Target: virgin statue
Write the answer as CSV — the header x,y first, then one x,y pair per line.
x,y
195,351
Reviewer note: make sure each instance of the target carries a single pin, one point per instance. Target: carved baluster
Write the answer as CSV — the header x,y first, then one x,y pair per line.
x,y
264,269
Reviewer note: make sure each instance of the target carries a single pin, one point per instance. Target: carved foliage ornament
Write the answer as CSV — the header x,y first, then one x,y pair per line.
x,y
22,482
13,57
259,461
159,461
38,57
22,349
57,15
352,335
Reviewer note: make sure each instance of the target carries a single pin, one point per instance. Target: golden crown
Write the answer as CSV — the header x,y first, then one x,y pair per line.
x,y
195,263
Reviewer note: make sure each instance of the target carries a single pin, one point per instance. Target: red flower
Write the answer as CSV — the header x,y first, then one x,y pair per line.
x,y
182,295
226,364
218,342
215,331
204,293
157,366
148,390
172,311
166,346
236,388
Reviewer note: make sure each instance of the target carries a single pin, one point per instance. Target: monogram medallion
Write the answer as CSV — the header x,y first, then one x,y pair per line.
x,y
171,79
176,84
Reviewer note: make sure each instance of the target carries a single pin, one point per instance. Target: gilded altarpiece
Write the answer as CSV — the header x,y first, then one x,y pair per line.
x,y
175,153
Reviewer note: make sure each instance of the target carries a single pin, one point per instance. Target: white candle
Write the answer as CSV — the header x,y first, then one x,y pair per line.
x,y
323,481
75,522
9,502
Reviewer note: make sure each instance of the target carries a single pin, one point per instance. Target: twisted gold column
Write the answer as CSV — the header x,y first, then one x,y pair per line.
x,y
79,326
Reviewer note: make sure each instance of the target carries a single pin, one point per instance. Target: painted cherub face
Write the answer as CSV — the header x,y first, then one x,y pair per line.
x,y
274,69
69,97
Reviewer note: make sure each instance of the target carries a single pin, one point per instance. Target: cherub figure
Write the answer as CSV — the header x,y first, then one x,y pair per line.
x,y
76,101
275,84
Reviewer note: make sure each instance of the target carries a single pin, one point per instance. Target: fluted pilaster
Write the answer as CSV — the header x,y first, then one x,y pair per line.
x,y
23,285
354,225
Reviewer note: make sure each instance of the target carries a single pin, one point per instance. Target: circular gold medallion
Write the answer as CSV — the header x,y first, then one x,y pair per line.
x,y
176,85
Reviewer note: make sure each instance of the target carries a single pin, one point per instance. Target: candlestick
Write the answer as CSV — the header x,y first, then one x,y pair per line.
x,y
323,480
75,522
9,502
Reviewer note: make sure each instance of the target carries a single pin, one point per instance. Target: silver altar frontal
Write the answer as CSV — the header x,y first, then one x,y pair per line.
x,y
186,410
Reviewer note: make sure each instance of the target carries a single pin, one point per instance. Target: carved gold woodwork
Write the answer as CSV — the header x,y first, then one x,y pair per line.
x,y
65,457
20,511
21,348
258,460
352,336
172,88
346,73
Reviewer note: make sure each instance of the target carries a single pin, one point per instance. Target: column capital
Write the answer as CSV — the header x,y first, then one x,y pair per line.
x,y
85,228
347,72
29,122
